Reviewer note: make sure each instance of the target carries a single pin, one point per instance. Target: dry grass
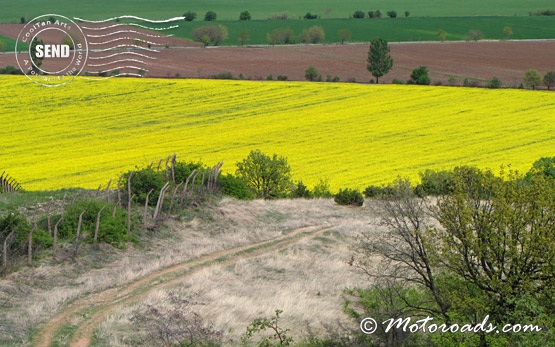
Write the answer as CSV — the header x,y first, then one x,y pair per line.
x,y
306,280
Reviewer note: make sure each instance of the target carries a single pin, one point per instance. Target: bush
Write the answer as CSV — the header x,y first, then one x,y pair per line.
x,y
301,191
210,16
407,14
234,187
280,36
392,14
245,15
349,197
322,189
494,83
142,181
309,15
17,223
210,34
358,14
113,230
397,81
332,79
10,70
543,13
282,78
315,34
435,183
190,16
419,76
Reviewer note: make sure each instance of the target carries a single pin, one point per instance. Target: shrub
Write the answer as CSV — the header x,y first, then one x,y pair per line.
x,y
397,81
373,191
322,189
245,15
234,187
301,191
210,16
332,79
349,197
142,181
282,78
407,14
183,170
309,15
378,14
358,14
420,76
190,16
18,224
435,183
494,83
280,36
314,34
543,13
113,229
10,70
269,77
210,34
392,14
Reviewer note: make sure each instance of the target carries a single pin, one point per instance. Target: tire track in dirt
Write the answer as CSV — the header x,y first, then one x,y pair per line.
x,y
110,300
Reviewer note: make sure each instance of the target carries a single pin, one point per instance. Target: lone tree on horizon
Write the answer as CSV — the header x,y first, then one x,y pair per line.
x,y
379,59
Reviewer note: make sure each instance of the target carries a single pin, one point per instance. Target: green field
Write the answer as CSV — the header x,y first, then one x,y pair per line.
x,y
7,44
229,10
393,30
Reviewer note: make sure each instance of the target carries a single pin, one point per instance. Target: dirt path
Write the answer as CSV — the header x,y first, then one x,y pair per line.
x,y
103,303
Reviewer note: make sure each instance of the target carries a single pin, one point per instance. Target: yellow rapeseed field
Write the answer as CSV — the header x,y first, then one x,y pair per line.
x,y
86,132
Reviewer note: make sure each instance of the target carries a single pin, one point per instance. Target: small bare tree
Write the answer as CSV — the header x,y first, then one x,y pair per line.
x,y
174,323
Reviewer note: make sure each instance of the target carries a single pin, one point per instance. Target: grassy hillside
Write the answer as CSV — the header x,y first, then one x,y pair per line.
x,y
88,131
394,30
263,9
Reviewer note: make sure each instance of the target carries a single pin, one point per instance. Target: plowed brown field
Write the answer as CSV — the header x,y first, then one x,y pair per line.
x,y
507,60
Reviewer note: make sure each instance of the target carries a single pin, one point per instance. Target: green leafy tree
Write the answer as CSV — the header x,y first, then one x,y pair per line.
x,y
243,37
210,16
483,250
532,78
345,35
441,35
379,59
37,61
268,177
358,14
281,36
549,79
507,32
245,15
314,34
407,14
311,74
190,16
391,14
210,34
